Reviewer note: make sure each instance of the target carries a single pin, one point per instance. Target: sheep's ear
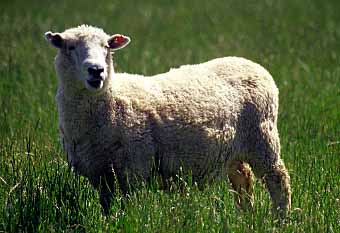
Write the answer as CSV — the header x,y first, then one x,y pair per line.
x,y
55,39
118,41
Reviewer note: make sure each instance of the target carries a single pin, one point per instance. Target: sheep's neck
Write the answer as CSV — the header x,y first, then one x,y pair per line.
x,y
81,114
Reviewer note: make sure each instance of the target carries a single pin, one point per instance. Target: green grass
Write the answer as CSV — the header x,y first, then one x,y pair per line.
x,y
297,41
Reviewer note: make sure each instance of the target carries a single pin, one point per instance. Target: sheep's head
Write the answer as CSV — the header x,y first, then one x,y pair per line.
x,y
85,54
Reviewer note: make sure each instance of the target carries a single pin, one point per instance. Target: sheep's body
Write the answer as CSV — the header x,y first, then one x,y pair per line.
x,y
198,118
181,118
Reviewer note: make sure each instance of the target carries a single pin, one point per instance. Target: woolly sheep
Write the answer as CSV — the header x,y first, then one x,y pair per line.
x,y
213,120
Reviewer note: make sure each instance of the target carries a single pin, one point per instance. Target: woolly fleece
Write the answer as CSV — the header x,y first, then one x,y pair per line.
x,y
198,118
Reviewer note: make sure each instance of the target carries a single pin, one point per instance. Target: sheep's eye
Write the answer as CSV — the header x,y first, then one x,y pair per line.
x,y
71,47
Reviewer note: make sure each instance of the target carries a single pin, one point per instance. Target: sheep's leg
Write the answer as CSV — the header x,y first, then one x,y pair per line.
x,y
277,181
241,179
268,166
106,185
105,201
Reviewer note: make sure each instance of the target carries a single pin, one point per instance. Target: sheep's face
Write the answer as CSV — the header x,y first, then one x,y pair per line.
x,y
85,55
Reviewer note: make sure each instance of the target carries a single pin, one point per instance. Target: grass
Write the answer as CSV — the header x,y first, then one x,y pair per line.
x,y
297,41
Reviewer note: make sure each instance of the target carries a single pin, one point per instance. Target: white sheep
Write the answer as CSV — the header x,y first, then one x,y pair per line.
x,y
210,120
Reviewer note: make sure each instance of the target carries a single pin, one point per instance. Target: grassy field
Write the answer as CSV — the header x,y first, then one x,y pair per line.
x,y
297,41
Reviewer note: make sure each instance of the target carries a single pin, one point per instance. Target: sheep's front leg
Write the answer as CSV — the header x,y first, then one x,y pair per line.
x,y
241,179
105,185
105,201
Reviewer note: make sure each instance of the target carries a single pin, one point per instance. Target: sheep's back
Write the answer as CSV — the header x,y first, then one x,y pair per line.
x,y
200,93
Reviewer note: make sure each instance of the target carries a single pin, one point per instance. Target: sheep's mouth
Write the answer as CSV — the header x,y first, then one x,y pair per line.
x,y
95,83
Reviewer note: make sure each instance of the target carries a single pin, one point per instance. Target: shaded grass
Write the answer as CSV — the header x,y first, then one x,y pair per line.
x,y
297,41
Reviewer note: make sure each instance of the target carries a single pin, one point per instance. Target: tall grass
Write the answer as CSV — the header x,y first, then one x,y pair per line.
x,y
297,41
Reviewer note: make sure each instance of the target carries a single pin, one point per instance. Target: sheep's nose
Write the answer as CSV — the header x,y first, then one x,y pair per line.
x,y
96,71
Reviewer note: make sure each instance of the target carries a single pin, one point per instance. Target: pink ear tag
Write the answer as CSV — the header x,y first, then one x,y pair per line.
x,y
119,39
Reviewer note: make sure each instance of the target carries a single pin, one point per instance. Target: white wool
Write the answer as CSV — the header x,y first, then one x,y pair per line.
x,y
197,118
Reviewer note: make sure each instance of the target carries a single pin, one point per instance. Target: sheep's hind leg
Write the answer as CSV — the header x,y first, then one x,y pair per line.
x,y
267,165
241,178
277,181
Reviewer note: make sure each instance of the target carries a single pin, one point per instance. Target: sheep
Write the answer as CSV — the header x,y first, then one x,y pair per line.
x,y
215,120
